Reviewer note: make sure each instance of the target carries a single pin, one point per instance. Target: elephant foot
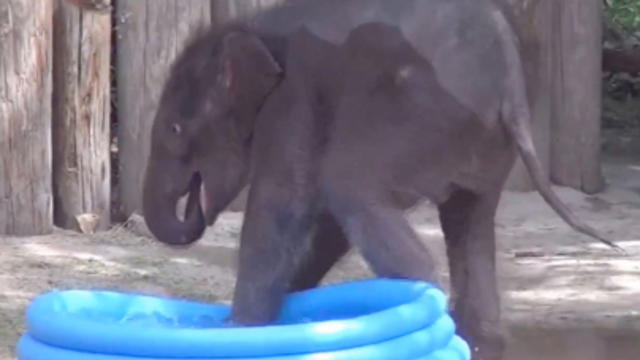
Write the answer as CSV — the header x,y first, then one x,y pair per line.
x,y
486,340
487,348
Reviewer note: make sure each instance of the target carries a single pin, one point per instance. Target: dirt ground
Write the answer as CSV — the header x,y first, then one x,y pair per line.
x,y
565,297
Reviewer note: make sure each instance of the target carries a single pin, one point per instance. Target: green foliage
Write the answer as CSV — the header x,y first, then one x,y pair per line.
x,y
625,13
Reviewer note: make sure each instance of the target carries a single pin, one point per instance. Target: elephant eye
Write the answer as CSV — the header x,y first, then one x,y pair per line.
x,y
176,128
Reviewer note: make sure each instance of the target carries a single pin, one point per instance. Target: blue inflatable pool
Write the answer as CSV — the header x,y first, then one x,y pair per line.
x,y
372,319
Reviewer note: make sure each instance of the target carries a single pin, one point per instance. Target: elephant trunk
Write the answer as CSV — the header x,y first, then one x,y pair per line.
x,y
160,213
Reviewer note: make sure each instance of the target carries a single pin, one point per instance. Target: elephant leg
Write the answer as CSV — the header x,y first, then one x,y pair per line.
x,y
273,241
328,245
384,237
467,221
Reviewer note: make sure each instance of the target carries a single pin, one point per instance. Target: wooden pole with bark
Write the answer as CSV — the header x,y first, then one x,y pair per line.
x,y
533,25
562,48
575,142
81,109
25,117
150,33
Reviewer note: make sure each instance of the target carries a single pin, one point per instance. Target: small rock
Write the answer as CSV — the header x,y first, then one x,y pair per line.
x,y
88,222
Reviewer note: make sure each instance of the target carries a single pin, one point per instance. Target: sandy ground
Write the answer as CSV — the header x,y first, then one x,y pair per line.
x,y
565,297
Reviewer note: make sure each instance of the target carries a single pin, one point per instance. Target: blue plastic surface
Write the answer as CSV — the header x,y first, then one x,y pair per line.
x,y
126,324
371,319
397,349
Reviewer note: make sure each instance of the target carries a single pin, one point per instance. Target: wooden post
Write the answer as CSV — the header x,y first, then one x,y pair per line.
x,y
532,23
561,50
150,33
81,108
575,142
25,117
224,10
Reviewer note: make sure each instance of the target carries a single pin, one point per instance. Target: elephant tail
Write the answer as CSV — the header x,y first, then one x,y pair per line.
x,y
516,117
517,123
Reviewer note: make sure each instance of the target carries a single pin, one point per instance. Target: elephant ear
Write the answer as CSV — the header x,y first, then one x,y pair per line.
x,y
247,74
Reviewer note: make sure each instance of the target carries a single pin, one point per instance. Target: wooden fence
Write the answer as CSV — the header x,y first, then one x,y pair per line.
x,y
150,33
561,43
81,116
56,88
26,200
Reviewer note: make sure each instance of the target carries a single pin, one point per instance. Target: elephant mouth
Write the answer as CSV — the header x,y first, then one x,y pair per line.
x,y
196,191
190,198
191,219
196,195
167,222
205,204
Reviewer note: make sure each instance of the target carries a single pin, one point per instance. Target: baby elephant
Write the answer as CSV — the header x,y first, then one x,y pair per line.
x,y
341,115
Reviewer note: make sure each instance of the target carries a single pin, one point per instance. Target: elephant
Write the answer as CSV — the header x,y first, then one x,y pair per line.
x,y
340,116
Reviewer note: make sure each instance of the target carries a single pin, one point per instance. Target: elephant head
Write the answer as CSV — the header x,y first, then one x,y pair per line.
x,y
201,135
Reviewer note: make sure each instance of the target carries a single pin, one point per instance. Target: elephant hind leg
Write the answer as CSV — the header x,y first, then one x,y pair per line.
x,y
467,221
328,245
381,232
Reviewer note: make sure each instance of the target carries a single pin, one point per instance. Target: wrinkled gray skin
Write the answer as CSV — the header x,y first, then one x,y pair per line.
x,y
341,115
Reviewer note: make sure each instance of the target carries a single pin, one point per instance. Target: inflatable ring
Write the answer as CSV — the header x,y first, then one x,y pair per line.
x,y
346,321
407,347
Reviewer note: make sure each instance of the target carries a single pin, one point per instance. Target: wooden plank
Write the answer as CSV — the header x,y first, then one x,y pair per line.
x,y
25,117
81,116
150,34
575,143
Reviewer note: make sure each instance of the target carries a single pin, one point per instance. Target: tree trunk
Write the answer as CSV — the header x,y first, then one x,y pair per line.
x,y
223,11
25,117
575,143
81,81
150,35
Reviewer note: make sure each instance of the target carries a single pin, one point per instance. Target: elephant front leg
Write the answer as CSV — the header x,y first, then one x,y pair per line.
x,y
274,240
